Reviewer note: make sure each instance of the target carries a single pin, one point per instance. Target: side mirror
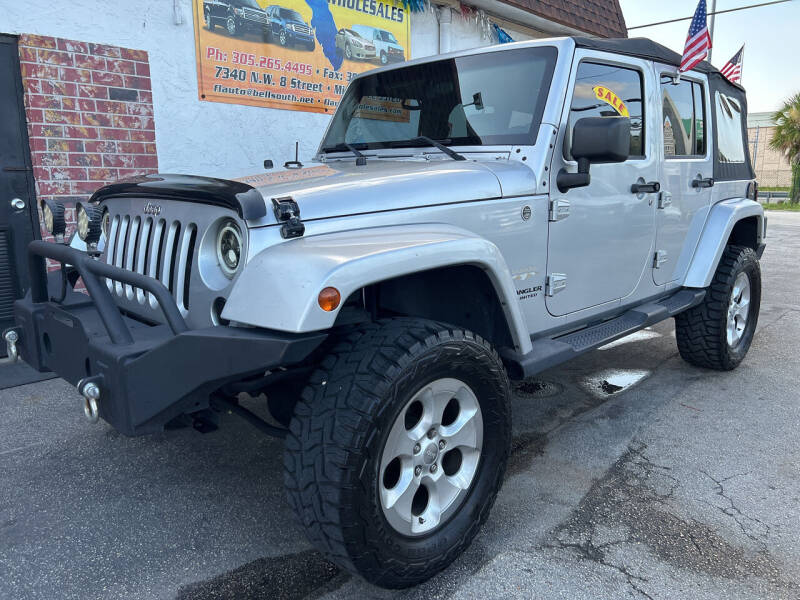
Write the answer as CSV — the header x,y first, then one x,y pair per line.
x,y
595,140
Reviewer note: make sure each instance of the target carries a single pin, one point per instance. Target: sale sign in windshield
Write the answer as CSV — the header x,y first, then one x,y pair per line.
x,y
297,55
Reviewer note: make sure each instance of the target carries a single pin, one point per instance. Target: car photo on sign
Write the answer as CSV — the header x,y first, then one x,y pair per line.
x,y
287,28
354,46
237,17
387,48
275,24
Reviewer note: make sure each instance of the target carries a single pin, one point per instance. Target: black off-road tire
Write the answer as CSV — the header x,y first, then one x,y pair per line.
x,y
701,330
340,426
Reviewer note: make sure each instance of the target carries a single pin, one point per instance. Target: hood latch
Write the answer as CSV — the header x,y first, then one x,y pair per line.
x,y
287,212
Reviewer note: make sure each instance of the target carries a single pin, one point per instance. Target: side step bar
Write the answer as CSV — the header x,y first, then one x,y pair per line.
x,y
549,352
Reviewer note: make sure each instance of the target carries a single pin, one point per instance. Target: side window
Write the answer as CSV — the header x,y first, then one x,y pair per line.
x,y
730,142
609,91
683,118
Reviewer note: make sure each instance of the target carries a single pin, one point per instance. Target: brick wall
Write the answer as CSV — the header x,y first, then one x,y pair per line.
x,y
90,116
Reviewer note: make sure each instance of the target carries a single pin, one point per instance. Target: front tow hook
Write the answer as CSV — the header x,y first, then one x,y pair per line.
x,y
11,336
89,388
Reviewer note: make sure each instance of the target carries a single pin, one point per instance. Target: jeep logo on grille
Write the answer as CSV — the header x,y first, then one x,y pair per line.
x,y
152,209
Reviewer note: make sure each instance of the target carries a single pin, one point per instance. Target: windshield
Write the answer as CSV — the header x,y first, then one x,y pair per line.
x,y
290,15
387,36
483,99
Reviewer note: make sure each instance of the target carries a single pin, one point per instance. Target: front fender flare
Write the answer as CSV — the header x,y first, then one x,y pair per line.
x,y
721,220
278,288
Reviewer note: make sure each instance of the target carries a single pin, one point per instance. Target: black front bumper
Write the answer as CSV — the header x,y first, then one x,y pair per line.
x,y
147,374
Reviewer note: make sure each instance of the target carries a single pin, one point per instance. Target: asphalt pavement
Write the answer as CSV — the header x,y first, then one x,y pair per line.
x,y
633,475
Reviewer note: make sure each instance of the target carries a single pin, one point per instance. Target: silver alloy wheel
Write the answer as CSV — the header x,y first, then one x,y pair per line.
x,y
230,25
384,58
283,38
431,457
347,52
738,309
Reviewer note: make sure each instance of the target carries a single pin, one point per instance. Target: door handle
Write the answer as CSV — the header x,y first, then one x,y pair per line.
x,y
701,182
18,204
651,187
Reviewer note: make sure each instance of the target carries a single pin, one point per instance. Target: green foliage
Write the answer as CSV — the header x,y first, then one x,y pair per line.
x,y
795,207
787,140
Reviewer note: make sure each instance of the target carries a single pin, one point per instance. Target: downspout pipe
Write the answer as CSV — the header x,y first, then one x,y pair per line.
x,y
445,24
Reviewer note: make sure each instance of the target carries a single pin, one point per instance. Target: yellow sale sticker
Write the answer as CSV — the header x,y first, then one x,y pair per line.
x,y
296,55
606,95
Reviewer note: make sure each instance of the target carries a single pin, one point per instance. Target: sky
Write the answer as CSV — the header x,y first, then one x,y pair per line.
x,y
771,34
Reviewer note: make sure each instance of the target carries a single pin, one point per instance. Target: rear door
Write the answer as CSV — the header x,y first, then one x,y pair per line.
x,y
601,236
18,213
683,203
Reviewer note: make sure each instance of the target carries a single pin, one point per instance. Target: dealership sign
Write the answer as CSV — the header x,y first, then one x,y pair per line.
x,y
297,55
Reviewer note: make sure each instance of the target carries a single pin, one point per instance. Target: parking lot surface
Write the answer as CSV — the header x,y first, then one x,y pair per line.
x,y
633,475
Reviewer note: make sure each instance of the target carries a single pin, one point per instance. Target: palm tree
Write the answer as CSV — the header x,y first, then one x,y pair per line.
x,y
787,140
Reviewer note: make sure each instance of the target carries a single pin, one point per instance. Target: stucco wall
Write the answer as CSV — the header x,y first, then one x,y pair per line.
x,y
208,138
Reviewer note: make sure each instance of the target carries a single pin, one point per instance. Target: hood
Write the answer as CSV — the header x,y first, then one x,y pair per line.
x,y
342,188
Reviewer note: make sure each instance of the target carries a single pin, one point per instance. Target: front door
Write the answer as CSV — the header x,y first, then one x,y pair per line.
x,y
601,236
683,203
18,213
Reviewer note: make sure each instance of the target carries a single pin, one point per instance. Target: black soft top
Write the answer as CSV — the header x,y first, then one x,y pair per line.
x,y
641,47
650,50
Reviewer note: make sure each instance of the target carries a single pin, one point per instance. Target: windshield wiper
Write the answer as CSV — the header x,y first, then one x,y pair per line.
x,y
431,142
361,159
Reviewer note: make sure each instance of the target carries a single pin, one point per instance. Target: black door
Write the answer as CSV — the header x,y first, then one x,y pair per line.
x,y
18,213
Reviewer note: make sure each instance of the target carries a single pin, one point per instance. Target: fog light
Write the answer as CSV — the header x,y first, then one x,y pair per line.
x,y
329,299
53,214
89,217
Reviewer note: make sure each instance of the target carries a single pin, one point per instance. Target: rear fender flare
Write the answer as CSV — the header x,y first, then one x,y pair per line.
x,y
720,223
278,288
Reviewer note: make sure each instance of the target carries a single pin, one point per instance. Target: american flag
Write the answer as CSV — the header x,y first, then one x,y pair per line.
x,y
698,42
733,68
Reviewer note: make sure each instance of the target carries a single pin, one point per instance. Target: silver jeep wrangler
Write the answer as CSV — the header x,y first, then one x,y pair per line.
x,y
476,217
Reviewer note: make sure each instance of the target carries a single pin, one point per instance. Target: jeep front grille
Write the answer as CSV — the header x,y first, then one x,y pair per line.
x,y
155,247
304,29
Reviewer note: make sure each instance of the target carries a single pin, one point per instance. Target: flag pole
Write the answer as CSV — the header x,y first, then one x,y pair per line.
x,y
741,68
711,29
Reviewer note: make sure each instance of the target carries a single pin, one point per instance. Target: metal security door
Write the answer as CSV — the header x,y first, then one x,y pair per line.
x,y
18,213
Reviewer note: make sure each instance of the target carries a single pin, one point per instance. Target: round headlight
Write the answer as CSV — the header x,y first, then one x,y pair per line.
x,y
89,226
106,223
229,247
53,214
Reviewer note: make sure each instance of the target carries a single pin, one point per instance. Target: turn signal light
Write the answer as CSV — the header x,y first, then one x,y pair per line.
x,y
329,299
